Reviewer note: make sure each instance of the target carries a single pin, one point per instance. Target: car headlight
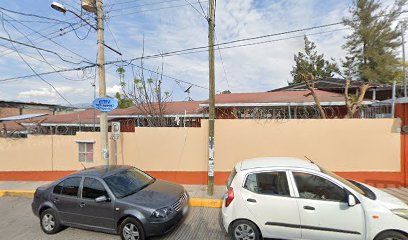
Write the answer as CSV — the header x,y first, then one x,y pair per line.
x,y
401,212
162,213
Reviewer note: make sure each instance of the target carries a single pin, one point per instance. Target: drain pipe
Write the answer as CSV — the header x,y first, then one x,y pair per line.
x,y
394,85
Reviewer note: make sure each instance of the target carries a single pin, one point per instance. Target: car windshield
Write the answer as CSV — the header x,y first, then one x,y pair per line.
x,y
344,181
128,182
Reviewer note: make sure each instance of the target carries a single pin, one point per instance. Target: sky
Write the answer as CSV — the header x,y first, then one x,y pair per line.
x,y
161,26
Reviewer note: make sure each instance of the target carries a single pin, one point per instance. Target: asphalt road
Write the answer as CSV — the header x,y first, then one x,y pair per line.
x,y
18,222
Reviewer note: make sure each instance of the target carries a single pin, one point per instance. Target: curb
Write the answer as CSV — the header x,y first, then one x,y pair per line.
x,y
194,202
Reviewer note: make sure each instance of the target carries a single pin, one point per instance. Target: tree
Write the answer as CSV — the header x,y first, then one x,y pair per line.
x,y
310,62
310,66
123,102
146,93
371,48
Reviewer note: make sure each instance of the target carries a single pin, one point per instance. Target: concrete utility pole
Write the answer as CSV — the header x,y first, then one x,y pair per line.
x,y
404,68
211,106
102,83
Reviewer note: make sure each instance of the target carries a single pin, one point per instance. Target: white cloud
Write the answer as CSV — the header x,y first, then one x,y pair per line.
x,y
251,68
111,91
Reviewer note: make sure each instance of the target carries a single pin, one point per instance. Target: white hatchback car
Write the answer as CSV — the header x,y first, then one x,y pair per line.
x,y
289,198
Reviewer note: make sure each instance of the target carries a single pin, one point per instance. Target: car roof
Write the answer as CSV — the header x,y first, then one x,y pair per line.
x,y
102,171
268,162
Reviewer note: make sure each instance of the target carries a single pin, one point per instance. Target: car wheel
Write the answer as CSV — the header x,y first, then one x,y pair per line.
x,y
49,222
244,230
391,235
131,229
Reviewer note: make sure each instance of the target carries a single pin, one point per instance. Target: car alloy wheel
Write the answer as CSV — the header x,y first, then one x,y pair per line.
x,y
48,222
131,232
244,232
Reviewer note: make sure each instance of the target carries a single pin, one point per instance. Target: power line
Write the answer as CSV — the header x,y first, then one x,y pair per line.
x,y
222,63
149,10
191,50
69,50
42,56
173,78
143,5
42,49
58,35
52,86
34,15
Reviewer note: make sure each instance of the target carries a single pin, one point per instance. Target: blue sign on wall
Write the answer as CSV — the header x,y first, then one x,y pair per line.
x,y
105,104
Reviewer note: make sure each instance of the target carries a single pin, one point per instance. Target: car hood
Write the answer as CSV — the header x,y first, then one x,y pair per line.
x,y
157,195
387,200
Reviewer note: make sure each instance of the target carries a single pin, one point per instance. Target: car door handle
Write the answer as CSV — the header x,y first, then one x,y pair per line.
x,y
55,200
309,208
251,200
82,204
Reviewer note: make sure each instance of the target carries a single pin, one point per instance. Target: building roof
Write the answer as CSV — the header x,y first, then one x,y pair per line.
x,y
22,117
170,108
14,103
76,118
333,84
12,126
268,162
283,98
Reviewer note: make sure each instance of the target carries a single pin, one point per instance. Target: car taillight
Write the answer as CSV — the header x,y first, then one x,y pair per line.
x,y
230,196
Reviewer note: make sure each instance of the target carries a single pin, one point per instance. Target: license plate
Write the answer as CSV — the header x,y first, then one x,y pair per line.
x,y
185,209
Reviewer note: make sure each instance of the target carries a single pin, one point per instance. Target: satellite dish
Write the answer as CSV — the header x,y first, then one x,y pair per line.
x,y
188,92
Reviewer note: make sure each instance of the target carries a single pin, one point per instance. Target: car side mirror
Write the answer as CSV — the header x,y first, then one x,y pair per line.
x,y
351,200
102,199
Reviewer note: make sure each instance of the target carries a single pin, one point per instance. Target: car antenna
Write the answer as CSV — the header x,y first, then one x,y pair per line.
x,y
83,166
309,159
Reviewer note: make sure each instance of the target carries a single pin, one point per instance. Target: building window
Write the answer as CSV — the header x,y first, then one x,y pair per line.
x,y
85,151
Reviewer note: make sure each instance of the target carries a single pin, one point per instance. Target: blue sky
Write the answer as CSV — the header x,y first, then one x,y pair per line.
x,y
166,26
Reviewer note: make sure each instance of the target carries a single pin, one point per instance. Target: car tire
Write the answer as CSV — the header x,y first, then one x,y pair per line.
x,y
391,235
131,229
49,221
244,230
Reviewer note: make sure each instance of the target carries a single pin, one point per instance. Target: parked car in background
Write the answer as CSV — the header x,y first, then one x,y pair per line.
x,y
114,199
288,198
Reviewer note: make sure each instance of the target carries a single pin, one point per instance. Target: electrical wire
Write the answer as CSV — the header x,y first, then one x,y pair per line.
x,y
52,86
42,56
69,50
143,5
33,15
149,10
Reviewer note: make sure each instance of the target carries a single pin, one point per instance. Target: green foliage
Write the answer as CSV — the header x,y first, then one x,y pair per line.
x,y
310,63
123,102
226,92
371,48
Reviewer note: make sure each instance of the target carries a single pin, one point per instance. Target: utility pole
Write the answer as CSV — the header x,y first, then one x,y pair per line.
x,y
404,68
211,106
102,83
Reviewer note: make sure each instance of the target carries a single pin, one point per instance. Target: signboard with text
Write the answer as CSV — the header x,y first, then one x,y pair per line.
x,y
105,104
115,130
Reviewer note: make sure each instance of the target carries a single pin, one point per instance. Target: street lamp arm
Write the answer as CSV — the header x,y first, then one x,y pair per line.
x,y
83,19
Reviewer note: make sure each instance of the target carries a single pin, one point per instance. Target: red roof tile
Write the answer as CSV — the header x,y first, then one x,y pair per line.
x,y
276,97
11,126
170,108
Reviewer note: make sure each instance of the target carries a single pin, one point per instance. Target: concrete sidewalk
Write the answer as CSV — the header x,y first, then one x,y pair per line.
x,y
198,193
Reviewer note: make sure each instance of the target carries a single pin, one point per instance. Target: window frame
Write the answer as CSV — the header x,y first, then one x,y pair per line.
x,y
321,175
290,185
85,152
96,179
69,196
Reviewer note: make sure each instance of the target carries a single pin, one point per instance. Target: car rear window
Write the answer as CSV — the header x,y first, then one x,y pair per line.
x,y
68,187
268,183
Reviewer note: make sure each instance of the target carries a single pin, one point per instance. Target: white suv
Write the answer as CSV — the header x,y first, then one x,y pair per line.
x,y
289,198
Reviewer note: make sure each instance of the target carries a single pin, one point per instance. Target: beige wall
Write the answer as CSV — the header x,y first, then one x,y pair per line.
x,y
339,145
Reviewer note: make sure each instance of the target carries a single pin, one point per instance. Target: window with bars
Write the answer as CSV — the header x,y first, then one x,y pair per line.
x,y
85,152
